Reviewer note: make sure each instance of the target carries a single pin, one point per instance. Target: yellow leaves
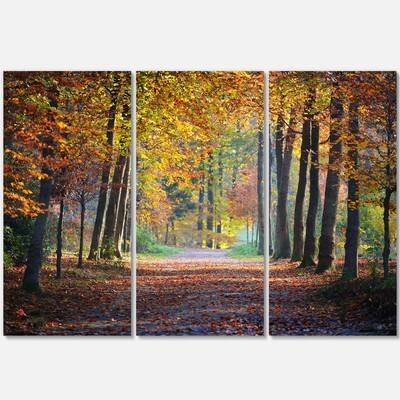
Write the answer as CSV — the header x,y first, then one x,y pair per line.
x,y
20,186
62,125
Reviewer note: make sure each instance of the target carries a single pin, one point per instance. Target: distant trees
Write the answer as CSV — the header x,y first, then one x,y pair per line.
x,y
55,143
345,122
200,132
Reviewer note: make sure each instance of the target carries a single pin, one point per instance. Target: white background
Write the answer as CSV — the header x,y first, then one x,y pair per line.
x,y
246,34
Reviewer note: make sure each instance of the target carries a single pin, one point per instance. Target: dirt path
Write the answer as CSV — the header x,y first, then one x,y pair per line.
x,y
199,292
294,310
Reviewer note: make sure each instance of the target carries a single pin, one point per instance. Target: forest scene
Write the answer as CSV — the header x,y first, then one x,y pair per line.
x,y
200,196
67,203
332,164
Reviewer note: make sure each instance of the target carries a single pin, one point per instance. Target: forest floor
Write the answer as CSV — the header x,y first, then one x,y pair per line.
x,y
303,303
200,292
94,300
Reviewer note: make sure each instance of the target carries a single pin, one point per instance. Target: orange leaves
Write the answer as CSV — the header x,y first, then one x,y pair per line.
x,y
16,205
93,301
243,196
54,121
186,296
304,303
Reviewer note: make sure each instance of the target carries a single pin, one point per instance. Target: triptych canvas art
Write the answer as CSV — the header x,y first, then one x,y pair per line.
x,y
222,202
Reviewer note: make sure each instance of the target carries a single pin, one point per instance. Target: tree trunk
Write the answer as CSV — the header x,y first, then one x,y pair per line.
x,y
166,233
108,245
390,185
326,254
105,177
279,149
210,208
350,268
83,209
219,230
282,241
386,237
173,234
200,216
127,238
35,252
221,189
30,281
298,224
271,247
260,192
310,241
256,241
122,206
59,238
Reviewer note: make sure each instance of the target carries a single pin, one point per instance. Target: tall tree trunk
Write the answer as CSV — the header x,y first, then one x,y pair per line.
x,y
30,281
122,206
105,177
220,197
260,192
390,185
59,238
298,224
282,241
210,200
200,216
81,234
326,254
386,235
350,268
310,241
271,247
108,245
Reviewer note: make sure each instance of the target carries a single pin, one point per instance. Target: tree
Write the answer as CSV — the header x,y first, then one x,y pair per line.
x,y
326,254
310,240
210,203
282,241
108,244
260,192
350,268
105,177
30,280
298,224
122,209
